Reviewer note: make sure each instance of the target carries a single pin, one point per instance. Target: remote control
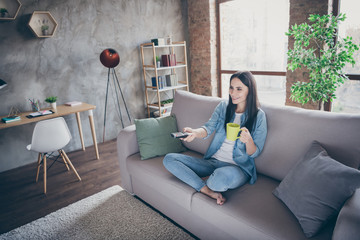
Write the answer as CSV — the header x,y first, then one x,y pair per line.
x,y
179,135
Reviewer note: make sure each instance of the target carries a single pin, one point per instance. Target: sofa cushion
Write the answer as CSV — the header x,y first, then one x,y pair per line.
x,y
194,117
154,174
316,188
154,137
291,130
252,211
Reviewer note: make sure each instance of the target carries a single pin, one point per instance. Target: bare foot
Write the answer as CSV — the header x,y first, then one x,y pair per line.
x,y
205,178
220,200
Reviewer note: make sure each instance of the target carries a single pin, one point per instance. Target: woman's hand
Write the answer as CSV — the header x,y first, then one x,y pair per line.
x,y
191,132
246,138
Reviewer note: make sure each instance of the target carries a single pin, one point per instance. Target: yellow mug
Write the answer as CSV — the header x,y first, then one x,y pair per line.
x,y
232,131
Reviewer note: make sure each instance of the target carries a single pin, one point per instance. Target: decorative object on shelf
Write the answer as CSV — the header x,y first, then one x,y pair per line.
x,y
42,24
9,9
45,29
158,62
3,12
110,59
52,101
158,41
167,102
169,40
316,52
2,84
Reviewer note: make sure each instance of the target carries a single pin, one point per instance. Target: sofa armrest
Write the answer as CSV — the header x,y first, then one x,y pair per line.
x,y
347,223
127,145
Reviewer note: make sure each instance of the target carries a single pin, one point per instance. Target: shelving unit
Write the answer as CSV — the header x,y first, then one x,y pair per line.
x,y
39,19
12,6
149,52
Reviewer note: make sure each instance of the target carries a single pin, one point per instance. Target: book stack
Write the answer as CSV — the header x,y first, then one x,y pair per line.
x,y
10,119
161,82
168,60
171,80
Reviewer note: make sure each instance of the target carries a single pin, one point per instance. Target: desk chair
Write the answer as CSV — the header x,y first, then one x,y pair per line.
x,y
50,136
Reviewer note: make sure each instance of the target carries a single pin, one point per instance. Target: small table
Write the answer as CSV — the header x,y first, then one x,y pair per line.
x,y
61,110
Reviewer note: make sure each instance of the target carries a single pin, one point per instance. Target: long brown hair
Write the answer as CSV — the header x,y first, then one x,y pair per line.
x,y
252,102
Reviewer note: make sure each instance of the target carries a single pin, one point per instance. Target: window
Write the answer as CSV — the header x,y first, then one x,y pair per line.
x,y
348,95
253,38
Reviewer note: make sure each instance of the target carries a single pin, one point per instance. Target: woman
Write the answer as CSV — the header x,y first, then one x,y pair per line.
x,y
226,164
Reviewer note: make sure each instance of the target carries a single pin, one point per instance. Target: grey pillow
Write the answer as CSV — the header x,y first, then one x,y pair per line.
x,y
154,137
316,188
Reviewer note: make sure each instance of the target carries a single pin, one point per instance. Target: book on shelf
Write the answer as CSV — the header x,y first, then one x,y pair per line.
x,y
73,103
168,60
11,119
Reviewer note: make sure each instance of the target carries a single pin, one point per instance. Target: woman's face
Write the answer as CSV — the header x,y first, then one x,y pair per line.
x,y
238,91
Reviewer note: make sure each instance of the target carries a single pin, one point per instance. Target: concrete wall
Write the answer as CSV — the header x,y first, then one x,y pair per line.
x,y
67,65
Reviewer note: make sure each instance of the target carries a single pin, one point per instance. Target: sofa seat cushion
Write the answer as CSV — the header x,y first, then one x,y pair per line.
x,y
255,210
153,172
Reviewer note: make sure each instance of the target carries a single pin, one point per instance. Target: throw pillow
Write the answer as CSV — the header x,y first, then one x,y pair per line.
x,y
316,188
154,139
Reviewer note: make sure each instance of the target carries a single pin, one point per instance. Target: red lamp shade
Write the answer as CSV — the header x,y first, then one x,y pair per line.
x,y
109,58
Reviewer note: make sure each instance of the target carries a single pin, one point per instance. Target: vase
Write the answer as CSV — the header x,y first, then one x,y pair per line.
x,y
53,106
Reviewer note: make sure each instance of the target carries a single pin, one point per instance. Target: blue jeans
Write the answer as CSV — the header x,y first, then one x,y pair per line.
x,y
222,175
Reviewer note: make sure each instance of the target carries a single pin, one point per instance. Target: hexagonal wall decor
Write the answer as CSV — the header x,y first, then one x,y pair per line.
x,y
42,24
12,8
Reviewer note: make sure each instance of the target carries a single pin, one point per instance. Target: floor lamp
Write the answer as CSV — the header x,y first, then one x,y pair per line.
x,y
110,59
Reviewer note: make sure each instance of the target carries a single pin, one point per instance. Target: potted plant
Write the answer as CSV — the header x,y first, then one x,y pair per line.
x,y
158,64
3,12
317,52
167,103
52,101
45,29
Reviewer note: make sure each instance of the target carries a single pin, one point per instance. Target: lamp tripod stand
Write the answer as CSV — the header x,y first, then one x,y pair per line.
x,y
118,92
110,59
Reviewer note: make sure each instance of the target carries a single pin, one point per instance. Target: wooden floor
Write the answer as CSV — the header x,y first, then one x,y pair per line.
x,y
22,199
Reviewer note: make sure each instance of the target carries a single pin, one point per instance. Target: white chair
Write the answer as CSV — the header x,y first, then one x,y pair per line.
x,y
50,136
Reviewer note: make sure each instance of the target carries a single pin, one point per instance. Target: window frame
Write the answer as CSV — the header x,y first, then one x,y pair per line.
x,y
335,12
224,71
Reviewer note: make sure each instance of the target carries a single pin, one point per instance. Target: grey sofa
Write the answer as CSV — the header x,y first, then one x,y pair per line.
x,y
251,211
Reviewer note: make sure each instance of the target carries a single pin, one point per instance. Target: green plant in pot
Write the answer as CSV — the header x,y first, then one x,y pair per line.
x,y
158,63
317,52
52,101
45,29
3,12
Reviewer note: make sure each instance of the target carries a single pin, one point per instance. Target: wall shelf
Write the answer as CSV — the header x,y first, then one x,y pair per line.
x,y
38,20
12,6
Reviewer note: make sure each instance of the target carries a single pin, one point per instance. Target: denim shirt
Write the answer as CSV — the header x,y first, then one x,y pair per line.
x,y
240,157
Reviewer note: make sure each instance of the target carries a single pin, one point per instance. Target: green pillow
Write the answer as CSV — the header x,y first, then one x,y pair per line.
x,y
154,139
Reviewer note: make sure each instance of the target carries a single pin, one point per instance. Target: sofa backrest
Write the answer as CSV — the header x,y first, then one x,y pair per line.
x,y
193,110
291,130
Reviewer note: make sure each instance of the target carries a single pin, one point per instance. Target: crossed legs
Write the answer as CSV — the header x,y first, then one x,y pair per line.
x,y
221,175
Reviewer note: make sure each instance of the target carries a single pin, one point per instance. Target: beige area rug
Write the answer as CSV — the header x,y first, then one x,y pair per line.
x,y
109,214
